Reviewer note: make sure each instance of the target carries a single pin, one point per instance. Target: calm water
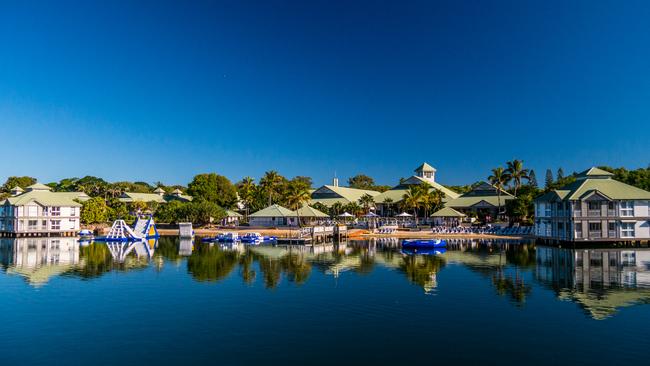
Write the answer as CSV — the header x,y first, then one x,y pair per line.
x,y
171,302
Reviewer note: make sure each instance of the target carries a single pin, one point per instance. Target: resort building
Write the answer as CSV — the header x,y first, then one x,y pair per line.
x,y
447,217
276,215
594,208
387,202
331,194
482,202
38,211
159,195
273,216
232,218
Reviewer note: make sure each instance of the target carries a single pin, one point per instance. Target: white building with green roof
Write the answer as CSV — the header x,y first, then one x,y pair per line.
x,y
424,174
37,211
482,202
594,208
331,194
273,216
159,196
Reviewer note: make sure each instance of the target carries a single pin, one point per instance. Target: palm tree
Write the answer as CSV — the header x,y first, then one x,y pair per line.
x,y
366,201
432,200
412,200
297,196
336,208
271,183
247,193
517,172
499,179
388,202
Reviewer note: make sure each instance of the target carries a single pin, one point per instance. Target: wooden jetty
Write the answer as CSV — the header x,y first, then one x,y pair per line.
x,y
315,235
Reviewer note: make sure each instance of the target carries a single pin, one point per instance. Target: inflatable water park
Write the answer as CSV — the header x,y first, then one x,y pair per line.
x,y
144,229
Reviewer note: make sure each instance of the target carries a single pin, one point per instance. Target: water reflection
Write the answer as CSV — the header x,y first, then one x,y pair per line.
x,y
600,281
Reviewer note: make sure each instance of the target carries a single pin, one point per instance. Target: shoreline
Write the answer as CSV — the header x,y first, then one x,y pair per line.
x,y
354,234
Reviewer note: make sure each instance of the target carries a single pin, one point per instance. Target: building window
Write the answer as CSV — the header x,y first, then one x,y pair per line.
x,y
547,208
627,208
44,224
56,211
578,230
32,224
610,205
55,224
73,222
594,205
594,226
627,229
612,226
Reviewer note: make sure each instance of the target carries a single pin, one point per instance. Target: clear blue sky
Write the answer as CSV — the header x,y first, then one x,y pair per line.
x,y
149,90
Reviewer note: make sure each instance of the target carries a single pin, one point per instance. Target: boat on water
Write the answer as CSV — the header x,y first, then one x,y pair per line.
x,y
228,237
424,251
424,244
85,233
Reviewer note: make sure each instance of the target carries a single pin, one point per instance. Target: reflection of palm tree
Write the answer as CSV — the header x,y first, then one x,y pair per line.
x,y
246,268
298,269
421,269
210,263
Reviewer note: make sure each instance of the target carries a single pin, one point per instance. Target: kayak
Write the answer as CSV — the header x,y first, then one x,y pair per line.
x,y
424,244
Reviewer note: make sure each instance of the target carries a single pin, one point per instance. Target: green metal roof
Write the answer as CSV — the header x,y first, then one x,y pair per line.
x,y
448,212
47,198
608,187
345,195
231,213
274,211
469,201
152,197
308,211
425,167
397,193
595,172
38,187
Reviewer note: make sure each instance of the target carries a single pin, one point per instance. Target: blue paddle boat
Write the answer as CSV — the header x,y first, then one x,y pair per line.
x,y
435,251
424,244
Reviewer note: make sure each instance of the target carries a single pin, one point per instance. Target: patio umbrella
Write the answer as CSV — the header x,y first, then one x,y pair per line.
x,y
404,214
371,214
346,214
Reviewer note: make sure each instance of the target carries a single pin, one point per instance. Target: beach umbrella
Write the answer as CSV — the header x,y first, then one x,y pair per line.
x,y
404,214
371,214
346,214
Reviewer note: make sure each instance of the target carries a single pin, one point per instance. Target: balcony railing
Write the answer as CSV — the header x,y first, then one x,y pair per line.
x,y
593,213
595,234
611,212
611,234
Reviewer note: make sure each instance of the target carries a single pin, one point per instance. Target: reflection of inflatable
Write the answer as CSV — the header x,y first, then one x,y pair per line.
x,y
425,251
121,249
423,244
144,228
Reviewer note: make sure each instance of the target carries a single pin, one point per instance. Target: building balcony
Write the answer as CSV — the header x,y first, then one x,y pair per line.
x,y
595,235
593,213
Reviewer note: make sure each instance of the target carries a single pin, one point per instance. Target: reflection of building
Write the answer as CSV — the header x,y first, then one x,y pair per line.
x,y
38,259
39,211
600,280
594,208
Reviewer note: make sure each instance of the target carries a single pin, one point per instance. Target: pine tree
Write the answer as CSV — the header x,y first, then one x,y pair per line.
x,y
560,174
549,178
532,179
